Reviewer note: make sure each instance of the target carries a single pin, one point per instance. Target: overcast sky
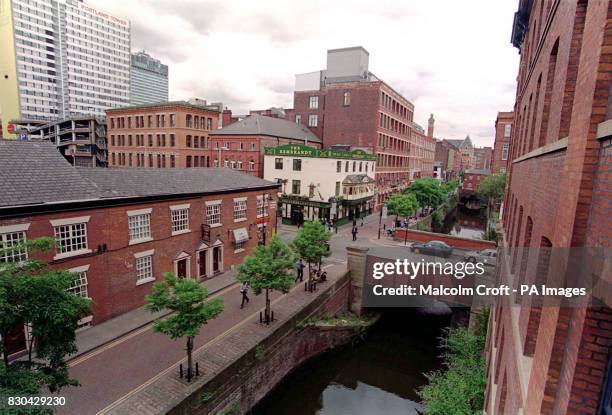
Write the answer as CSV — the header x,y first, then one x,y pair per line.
x,y
451,58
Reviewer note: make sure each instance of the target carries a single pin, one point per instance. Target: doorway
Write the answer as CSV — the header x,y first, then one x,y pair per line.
x,y
181,268
202,264
217,259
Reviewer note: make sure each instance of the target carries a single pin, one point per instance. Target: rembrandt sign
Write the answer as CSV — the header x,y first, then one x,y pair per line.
x,y
298,150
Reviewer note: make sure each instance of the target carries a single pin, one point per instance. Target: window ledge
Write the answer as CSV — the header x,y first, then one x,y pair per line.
x,y
72,253
216,225
240,220
184,231
236,251
139,241
145,281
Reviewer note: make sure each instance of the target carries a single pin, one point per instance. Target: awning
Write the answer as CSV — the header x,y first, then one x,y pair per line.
x,y
241,235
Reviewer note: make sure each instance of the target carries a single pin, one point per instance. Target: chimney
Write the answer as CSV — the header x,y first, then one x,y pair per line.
x,y
430,126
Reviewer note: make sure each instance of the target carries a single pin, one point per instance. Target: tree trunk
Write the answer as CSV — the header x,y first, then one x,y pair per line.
x,y
267,305
4,352
189,357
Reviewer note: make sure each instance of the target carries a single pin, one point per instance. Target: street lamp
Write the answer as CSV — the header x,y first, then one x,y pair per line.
x,y
383,212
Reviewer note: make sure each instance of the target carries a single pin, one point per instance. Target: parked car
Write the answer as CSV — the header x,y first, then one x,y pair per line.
x,y
486,256
437,248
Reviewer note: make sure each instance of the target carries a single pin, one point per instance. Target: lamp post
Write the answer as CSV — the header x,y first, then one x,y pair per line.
x,y
383,212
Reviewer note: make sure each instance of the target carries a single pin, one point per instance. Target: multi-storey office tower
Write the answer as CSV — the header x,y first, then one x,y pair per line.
x,y
61,58
149,80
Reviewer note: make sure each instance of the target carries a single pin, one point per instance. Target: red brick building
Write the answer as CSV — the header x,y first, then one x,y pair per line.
x,y
554,360
483,157
503,136
472,178
240,145
346,104
120,229
163,135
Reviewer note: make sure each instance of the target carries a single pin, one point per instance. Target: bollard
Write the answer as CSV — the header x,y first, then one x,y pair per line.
x,y
197,369
306,286
272,315
260,318
181,370
188,374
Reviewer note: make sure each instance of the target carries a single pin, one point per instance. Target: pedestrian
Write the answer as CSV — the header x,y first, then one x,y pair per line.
x,y
244,290
323,276
361,221
300,271
354,232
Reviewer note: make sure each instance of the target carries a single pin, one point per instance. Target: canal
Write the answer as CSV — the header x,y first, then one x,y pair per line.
x,y
378,375
465,223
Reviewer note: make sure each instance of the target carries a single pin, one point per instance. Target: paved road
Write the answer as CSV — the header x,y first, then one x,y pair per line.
x,y
114,370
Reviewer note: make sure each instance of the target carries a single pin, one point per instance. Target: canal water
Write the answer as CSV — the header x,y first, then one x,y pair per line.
x,y
464,223
378,375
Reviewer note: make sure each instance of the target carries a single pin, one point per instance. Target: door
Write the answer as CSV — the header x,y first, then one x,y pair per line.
x,y
216,259
15,341
202,264
181,268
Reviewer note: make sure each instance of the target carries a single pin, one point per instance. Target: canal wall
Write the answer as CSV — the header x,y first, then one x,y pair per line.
x,y
243,366
454,241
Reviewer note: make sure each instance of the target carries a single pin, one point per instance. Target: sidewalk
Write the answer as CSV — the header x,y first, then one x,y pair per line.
x,y
103,333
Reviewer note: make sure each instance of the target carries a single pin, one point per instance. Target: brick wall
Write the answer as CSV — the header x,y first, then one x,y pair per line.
x,y
454,241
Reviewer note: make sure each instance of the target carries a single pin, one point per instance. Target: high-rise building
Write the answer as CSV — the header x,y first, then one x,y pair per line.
x,y
149,80
544,358
61,58
346,104
503,134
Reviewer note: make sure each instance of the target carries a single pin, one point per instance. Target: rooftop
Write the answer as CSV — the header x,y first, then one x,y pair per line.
x,y
184,104
35,173
257,124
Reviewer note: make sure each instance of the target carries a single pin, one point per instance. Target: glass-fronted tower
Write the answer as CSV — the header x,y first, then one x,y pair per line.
x,y
149,80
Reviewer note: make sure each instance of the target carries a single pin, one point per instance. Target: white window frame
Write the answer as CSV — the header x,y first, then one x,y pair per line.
x,y
140,264
313,120
505,151
71,222
141,236
298,119
214,205
240,209
80,270
507,130
179,216
313,102
262,206
19,230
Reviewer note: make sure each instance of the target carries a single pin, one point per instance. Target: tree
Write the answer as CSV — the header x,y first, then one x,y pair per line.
x,y
33,295
269,268
492,187
311,242
402,205
187,299
427,191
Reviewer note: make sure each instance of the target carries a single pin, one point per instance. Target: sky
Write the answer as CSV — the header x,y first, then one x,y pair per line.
x,y
450,58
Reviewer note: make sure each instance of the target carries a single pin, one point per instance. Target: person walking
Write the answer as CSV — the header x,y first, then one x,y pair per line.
x,y
354,232
244,290
300,271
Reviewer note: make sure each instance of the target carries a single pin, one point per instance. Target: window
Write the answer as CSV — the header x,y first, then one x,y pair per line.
x,y
79,285
507,130
172,142
337,188
338,166
240,209
298,119
188,161
262,204
297,164
346,99
139,223
213,213
180,219
251,165
172,161
295,187
188,141
313,120
313,103
239,246
10,240
172,120
209,123
144,268
71,238
505,149
251,146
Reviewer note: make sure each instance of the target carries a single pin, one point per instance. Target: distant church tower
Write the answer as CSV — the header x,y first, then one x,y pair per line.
x,y
430,126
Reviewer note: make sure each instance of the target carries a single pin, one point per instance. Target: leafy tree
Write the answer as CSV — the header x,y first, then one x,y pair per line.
x,y
402,205
33,295
187,299
269,268
427,191
492,187
311,242
459,388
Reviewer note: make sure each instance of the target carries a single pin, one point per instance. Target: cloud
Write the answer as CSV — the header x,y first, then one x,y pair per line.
x,y
450,58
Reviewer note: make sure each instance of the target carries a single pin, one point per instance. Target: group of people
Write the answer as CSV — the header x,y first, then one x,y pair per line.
x,y
315,275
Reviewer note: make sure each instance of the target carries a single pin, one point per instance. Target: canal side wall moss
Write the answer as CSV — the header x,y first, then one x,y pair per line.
x,y
242,384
